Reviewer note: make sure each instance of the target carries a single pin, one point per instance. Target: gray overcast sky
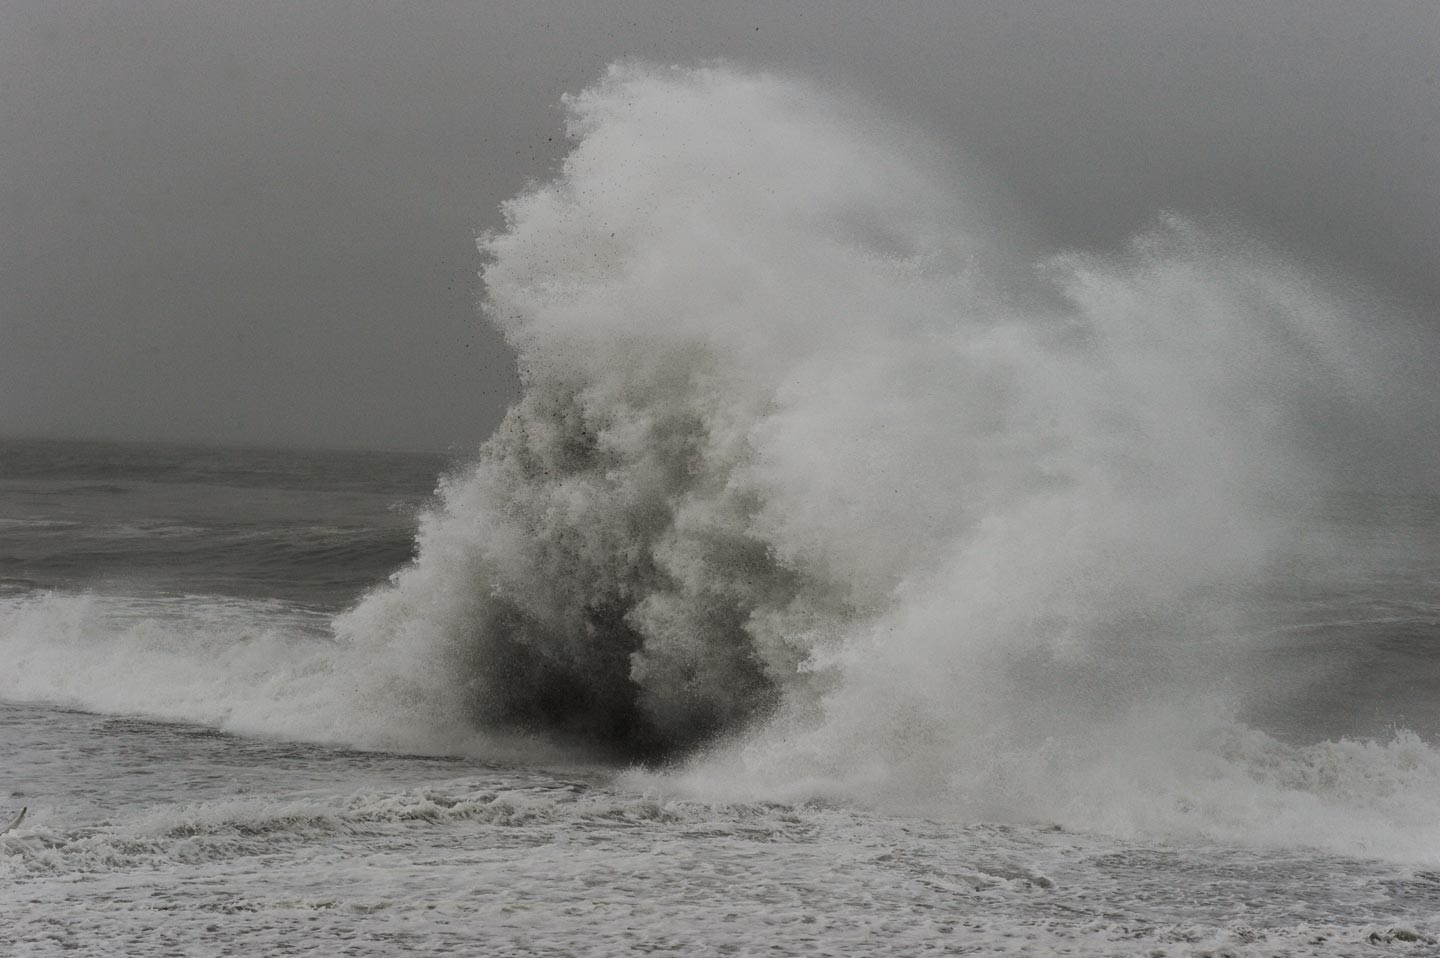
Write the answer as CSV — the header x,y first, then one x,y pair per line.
x,y
254,221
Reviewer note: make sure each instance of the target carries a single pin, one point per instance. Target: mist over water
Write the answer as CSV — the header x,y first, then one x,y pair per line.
x,y
814,489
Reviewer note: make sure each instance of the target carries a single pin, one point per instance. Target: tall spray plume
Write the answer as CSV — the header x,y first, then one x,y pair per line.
x,y
807,494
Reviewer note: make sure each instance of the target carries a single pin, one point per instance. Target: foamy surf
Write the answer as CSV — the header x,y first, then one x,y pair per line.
x,y
529,861
250,667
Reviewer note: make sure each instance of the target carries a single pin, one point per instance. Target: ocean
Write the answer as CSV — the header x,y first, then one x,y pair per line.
x,y
834,586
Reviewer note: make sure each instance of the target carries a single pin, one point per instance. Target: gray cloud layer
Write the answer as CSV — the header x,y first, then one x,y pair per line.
x,y
254,221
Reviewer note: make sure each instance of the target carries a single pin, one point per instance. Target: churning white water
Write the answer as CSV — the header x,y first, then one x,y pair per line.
x,y
800,496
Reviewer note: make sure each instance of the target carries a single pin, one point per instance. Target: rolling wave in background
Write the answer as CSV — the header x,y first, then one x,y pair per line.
x,y
817,489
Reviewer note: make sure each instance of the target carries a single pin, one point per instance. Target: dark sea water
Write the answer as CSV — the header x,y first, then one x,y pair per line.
x,y
313,528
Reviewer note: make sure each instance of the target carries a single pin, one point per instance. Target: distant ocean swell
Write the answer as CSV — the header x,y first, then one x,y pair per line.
x,y
807,495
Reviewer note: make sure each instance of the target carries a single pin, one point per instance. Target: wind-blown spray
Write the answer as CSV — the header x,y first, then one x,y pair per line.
x,y
799,488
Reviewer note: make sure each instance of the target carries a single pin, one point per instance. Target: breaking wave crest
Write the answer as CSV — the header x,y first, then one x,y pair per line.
x,y
805,486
